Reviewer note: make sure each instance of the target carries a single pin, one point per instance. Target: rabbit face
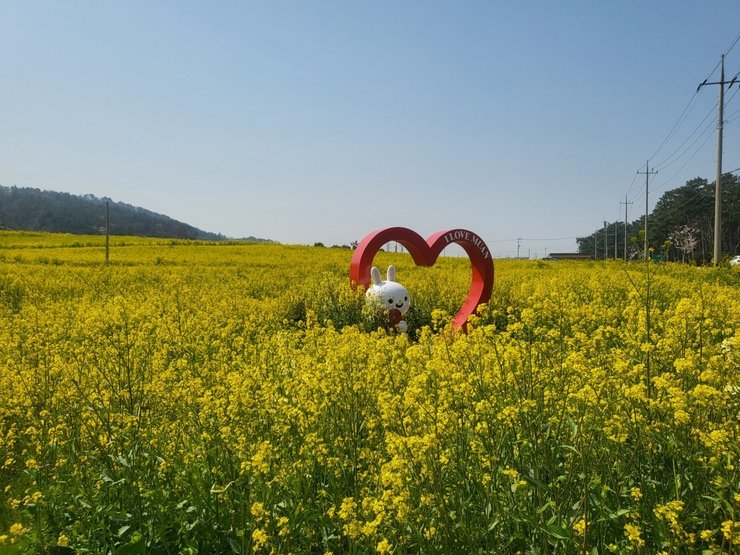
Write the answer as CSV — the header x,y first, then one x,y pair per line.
x,y
389,294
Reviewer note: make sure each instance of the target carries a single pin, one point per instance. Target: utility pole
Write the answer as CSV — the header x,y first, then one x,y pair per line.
x,y
625,225
718,184
647,173
107,231
616,232
518,244
606,245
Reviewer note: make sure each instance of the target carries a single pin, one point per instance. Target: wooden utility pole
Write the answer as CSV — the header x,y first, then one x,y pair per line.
x,y
625,225
616,232
647,173
606,245
718,184
107,231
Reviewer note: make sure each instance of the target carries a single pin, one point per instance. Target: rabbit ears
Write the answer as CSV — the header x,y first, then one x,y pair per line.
x,y
391,273
377,278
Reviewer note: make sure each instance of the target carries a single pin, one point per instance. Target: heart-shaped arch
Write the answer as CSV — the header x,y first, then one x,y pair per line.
x,y
425,253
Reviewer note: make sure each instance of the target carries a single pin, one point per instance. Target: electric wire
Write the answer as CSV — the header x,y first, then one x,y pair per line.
x,y
701,146
515,239
549,238
662,218
678,153
676,125
661,187
631,185
665,162
685,111
732,46
683,116
668,215
732,117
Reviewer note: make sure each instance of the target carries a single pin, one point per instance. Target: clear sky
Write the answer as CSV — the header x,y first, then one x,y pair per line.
x,y
310,121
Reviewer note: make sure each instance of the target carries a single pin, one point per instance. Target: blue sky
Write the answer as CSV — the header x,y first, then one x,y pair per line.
x,y
322,121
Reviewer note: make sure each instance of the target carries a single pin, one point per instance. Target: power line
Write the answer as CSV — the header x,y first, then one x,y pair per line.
x,y
696,199
704,132
665,162
631,184
662,218
675,125
730,48
719,63
668,216
685,111
665,216
683,116
732,117
701,146
548,238
678,153
515,239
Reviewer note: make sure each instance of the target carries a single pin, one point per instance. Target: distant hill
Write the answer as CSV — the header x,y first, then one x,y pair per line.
x,y
28,209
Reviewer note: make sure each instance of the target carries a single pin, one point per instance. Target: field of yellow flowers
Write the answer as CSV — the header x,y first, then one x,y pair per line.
x,y
238,398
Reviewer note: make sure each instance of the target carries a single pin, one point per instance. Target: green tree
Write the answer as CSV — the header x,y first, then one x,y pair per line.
x,y
690,206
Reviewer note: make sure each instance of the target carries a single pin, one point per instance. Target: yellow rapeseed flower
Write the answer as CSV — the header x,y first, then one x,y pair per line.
x,y
384,547
731,531
260,539
258,510
17,529
632,532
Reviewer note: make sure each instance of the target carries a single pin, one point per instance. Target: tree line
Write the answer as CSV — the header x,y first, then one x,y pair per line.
x,y
680,227
29,209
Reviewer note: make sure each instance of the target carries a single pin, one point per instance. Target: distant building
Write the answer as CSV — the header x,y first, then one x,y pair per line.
x,y
570,256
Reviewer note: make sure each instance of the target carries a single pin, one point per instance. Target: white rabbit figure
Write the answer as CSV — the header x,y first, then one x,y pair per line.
x,y
390,296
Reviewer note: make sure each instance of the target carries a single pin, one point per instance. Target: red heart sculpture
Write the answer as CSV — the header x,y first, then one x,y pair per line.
x,y
425,253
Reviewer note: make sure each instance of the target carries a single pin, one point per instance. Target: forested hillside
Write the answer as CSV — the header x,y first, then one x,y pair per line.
x,y
28,209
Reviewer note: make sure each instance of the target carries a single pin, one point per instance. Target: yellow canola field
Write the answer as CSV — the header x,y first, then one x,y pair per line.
x,y
238,398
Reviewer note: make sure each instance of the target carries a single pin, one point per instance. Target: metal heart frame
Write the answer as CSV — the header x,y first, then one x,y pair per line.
x,y
425,253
